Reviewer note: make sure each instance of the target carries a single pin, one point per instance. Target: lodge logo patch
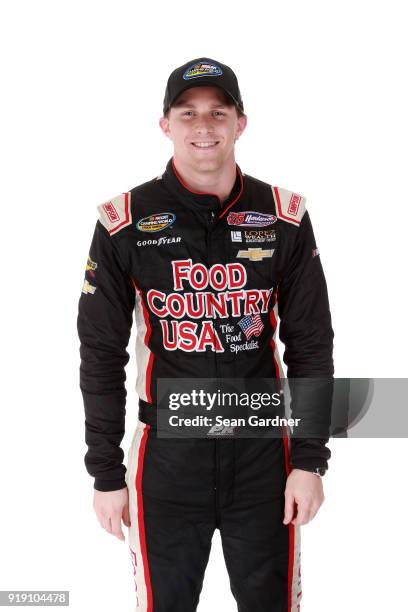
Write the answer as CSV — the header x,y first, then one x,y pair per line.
x,y
156,223
250,218
202,69
236,236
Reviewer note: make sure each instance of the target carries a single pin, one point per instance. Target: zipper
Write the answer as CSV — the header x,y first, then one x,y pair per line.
x,y
211,220
217,482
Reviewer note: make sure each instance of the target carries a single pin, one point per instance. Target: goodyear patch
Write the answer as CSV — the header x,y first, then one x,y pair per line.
x,y
202,69
250,218
156,222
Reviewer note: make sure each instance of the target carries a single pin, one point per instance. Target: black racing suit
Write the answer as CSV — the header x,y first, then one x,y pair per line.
x,y
195,270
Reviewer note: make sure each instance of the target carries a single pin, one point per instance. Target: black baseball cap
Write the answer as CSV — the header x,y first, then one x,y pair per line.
x,y
201,72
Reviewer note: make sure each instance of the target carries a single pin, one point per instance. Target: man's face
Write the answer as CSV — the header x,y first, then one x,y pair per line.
x,y
203,128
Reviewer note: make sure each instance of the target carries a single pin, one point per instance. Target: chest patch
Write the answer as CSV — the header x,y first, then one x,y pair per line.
x,y
250,218
156,222
260,236
255,254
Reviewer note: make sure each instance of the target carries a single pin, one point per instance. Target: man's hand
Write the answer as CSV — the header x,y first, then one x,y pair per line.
x,y
110,508
304,490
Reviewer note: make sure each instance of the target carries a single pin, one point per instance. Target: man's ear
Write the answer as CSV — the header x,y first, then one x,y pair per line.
x,y
165,127
241,125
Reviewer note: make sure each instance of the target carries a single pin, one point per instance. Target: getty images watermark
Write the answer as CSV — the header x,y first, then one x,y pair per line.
x,y
233,407
209,401
308,407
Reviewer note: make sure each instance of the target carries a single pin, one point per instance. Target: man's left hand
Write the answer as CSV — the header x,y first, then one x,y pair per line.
x,y
303,497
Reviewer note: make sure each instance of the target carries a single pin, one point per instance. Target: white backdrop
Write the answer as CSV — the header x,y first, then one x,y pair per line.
x,y
324,86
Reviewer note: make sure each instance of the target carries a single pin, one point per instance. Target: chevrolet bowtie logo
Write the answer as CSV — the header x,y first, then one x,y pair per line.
x,y
256,254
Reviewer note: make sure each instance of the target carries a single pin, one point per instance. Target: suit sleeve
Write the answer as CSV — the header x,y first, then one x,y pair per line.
x,y
104,324
306,331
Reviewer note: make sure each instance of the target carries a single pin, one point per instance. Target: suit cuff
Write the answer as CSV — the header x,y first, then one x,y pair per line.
x,y
109,485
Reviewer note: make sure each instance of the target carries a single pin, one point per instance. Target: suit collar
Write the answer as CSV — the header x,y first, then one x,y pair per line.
x,y
201,200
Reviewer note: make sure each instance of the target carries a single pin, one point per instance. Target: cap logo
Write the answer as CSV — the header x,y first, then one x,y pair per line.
x,y
202,69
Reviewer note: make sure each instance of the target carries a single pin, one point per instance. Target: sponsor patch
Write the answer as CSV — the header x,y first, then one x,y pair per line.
x,y
220,430
250,218
88,288
90,264
159,241
202,69
260,236
91,267
236,236
251,325
156,223
200,295
294,204
315,252
111,212
255,254
115,214
290,206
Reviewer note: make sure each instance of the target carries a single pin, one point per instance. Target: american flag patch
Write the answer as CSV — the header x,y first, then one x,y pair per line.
x,y
251,325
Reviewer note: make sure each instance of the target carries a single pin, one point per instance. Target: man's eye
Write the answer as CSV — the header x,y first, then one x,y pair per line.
x,y
219,113
188,113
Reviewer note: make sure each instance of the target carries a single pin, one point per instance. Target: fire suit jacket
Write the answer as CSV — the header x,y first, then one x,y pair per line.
x,y
207,282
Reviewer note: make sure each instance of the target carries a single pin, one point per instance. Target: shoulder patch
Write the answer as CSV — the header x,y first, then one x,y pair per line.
x,y
116,214
290,206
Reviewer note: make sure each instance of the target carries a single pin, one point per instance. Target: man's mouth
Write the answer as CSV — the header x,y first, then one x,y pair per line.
x,y
205,144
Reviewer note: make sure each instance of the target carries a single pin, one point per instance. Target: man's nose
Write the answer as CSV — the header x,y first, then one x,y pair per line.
x,y
204,125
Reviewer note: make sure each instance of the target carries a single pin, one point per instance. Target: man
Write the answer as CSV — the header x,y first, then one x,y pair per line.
x,y
203,253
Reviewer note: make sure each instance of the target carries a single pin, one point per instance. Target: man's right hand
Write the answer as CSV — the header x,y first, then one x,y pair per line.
x,y
111,508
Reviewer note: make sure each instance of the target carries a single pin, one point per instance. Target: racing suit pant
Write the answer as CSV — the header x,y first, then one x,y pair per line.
x,y
180,491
